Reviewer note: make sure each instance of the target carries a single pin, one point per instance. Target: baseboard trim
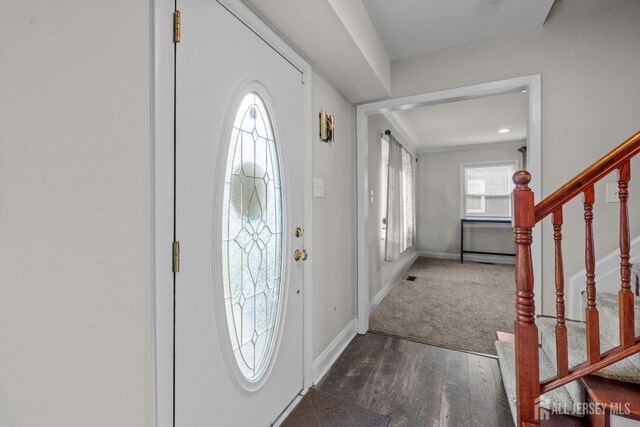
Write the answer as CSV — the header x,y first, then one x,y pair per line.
x,y
495,259
393,282
323,362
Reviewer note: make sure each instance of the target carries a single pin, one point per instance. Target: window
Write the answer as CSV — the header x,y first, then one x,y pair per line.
x,y
252,237
487,189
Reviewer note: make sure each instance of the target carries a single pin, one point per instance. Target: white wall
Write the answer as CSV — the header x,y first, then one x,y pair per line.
x,y
380,271
438,203
75,228
334,217
587,53
357,22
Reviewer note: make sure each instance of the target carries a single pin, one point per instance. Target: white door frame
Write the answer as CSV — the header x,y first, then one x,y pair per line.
x,y
534,162
162,192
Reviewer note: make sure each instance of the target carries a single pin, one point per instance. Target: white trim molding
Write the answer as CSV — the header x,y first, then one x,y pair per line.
x,y
162,205
493,259
403,135
480,146
393,282
329,355
532,83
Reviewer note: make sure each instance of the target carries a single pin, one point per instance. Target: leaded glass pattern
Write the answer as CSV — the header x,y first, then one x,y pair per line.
x,y
252,237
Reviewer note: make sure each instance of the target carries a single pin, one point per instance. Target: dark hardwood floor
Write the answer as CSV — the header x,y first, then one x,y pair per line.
x,y
317,409
419,385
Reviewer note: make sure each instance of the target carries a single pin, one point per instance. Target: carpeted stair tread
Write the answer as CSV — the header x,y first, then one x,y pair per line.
x,y
546,326
607,304
623,370
558,400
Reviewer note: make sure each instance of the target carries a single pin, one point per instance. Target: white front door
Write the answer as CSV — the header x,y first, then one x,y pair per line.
x,y
239,157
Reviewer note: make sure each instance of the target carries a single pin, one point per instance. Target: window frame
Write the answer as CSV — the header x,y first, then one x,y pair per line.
x,y
493,163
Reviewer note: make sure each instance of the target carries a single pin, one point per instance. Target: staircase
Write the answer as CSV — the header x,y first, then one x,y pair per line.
x,y
575,367
572,399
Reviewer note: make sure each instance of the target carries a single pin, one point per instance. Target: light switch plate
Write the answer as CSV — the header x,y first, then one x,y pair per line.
x,y
318,187
612,192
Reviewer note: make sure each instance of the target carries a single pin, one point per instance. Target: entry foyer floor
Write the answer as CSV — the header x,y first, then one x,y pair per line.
x,y
418,385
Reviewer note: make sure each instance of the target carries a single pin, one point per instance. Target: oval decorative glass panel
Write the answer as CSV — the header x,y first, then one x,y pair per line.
x,y
252,237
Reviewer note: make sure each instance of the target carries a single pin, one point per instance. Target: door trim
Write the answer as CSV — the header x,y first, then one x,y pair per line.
x,y
162,75
533,83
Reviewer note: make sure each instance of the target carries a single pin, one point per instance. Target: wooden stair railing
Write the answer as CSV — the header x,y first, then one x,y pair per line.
x,y
526,216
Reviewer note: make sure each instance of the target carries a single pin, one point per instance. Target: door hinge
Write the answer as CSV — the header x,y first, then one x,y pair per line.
x,y
175,256
176,26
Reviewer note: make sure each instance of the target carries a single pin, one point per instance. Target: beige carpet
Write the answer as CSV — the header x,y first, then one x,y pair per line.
x,y
452,305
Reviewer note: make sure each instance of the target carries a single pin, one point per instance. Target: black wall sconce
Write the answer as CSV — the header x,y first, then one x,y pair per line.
x,y
327,125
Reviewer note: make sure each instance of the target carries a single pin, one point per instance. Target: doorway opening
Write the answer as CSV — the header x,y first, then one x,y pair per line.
x,y
477,212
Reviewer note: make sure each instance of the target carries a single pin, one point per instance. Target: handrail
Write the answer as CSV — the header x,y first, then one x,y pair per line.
x,y
526,215
588,177
610,357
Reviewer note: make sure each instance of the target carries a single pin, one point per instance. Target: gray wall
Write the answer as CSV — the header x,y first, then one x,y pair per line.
x,y
587,53
334,217
380,271
438,203
75,228
75,218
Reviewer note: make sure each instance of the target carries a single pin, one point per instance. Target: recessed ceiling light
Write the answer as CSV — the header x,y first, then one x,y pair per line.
x,y
504,130
524,91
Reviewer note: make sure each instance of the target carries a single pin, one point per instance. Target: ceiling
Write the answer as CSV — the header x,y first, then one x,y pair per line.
x,y
351,43
465,123
337,38
411,27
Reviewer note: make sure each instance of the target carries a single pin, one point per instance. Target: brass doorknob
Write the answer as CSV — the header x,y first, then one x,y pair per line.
x,y
300,255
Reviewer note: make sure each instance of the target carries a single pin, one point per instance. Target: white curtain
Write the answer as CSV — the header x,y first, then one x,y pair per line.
x,y
408,204
400,202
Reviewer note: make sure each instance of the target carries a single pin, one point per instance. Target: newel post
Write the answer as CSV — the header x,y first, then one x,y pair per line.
x,y
526,331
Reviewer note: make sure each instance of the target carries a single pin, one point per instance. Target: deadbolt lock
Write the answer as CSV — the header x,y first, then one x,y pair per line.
x,y
299,232
300,255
